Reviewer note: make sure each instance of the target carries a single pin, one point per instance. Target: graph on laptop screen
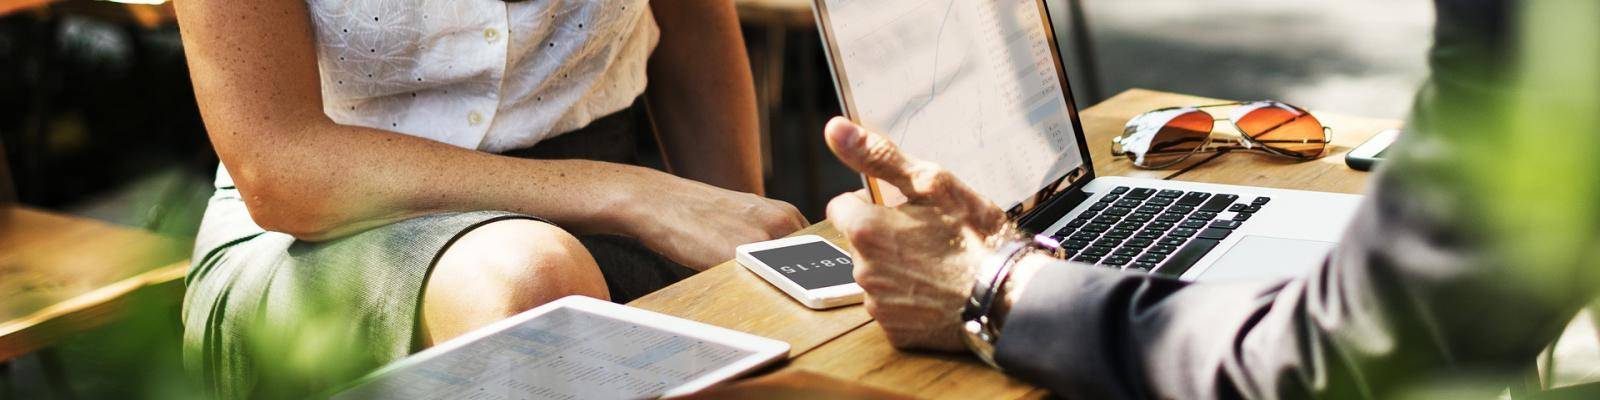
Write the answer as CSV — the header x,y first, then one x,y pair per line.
x,y
971,85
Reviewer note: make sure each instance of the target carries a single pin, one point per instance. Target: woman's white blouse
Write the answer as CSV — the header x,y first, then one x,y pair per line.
x,y
481,74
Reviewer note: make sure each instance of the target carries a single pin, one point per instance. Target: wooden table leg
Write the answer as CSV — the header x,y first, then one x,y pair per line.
x,y
55,374
776,41
6,385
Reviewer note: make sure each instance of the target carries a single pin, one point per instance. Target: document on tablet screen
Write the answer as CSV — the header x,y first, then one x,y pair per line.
x,y
971,85
565,354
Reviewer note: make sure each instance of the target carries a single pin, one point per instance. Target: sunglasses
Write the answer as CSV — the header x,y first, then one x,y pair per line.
x,y
1168,136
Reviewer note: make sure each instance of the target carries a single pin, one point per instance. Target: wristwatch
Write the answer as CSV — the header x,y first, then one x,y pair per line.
x,y
976,325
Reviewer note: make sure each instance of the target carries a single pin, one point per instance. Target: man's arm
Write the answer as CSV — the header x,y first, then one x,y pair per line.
x,y
702,97
1451,268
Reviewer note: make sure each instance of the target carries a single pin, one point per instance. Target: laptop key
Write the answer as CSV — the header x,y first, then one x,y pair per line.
x,y
1182,232
1129,203
1242,217
1186,257
1108,242
1181,209
1237,207
1149,209
1141,193
1127,251
1140,217
1119,211
1193,199
1096,227
1130,225
1141,266
1219,202
1169,217
1110,198
1117,261
1149,234
1138,242
1107,219
1169,194
1226,224
1098,206
1159,201
1214,233
1252,209
1087,259
1119,233
1075,244
1096,251
1153,258
1193,224
1260,201
1119,190
1090,236
1163,249
1203,215
1172,241
1159,225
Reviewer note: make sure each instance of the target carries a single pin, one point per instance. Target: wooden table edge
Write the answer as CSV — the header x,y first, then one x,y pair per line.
x,y
92,309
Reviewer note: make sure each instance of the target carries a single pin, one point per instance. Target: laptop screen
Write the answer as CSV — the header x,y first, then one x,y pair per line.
x,y
972,85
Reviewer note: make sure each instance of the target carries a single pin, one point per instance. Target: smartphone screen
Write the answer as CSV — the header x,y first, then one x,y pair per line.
x,y
812,265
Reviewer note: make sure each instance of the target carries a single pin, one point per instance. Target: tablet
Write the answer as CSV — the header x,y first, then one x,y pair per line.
x,y
574,348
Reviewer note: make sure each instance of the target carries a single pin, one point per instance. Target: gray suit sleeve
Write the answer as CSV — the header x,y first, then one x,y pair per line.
x,y
1443,274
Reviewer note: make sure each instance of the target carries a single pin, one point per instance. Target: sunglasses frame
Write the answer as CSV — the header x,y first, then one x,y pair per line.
x,y
1244,143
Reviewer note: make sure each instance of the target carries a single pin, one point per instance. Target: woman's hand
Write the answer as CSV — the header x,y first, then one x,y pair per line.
x,y
915,261
699,225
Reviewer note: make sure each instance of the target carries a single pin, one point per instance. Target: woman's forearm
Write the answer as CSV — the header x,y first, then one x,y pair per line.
x,y
311,186
702,98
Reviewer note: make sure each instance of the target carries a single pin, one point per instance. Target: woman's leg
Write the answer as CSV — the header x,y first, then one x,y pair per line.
x,y
500,269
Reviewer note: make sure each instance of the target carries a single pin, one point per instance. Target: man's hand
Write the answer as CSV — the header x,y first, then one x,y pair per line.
x,y
916,261
699,225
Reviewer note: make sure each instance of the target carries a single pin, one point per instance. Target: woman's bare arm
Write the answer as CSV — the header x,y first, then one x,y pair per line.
x,y
254,69
702,97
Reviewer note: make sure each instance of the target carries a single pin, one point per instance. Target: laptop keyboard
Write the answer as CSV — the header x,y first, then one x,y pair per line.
x,y
1149,230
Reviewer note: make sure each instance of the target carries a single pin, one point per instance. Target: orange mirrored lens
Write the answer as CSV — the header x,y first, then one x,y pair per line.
x,y
1284,128
1177,139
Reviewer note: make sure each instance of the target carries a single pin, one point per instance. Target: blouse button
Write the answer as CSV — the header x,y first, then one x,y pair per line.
x,y
474,118
490,35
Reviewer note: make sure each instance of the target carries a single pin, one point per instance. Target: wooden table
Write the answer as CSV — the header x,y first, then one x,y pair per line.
x,y
845,343
61,275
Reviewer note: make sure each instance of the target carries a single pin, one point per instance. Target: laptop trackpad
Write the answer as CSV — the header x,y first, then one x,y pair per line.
x,y
1256,257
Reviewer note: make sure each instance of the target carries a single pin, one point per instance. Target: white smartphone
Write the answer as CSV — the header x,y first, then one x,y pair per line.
x,y
808,268
1366,156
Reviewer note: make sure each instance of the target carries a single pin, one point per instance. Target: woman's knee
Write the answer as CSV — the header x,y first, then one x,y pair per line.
x,y
505,267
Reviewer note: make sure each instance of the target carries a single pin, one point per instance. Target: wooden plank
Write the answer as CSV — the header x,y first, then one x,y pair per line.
x,y
61,274
864,356
732,297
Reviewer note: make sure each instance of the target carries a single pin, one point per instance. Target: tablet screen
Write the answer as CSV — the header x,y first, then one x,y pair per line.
x,y
566,353
812,265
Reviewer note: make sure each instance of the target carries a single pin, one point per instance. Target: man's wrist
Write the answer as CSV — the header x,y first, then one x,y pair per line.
x,y
1011,289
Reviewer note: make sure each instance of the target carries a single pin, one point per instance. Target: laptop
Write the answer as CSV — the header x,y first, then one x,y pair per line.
x,y
981,89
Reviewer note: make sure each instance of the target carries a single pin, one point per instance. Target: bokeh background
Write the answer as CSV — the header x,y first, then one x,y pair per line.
x,y
97,118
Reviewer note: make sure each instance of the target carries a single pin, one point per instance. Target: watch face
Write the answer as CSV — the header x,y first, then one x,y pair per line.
x,y
812,265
